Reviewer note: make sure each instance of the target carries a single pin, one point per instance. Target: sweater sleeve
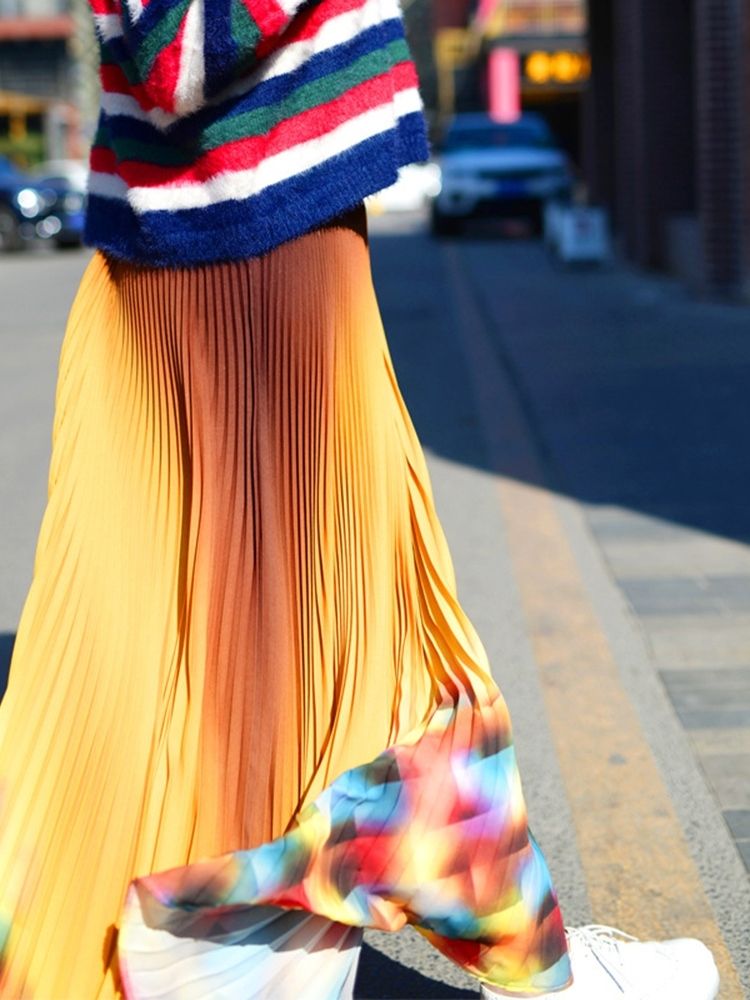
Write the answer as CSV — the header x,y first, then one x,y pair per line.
x,y
177,54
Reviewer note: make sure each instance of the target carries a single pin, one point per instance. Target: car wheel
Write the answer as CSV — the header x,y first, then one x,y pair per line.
x,y
536,219
10,237
445,225
68,243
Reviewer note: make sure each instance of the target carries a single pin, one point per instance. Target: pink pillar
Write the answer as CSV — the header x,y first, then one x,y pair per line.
x,y
504,85
485,10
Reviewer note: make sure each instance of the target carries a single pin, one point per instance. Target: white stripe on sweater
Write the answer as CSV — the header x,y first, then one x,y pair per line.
x,y
336,31
108,26
289,6
241,184
188,95
135,7
123,104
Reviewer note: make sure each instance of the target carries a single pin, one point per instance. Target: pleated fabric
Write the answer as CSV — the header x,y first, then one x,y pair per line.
x,y
246,714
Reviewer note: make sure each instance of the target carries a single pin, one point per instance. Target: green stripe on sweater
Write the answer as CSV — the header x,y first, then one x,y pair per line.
x,y
128,66
245,31
140,63
262,120
161,35
304,98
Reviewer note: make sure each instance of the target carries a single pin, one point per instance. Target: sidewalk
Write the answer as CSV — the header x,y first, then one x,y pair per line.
x,y
641,402
585,434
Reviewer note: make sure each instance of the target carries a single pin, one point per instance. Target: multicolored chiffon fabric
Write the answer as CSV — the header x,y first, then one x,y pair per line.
x,y
432,833
242,663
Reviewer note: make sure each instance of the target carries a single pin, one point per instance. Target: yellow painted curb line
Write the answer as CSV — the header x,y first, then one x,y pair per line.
x,y
639,871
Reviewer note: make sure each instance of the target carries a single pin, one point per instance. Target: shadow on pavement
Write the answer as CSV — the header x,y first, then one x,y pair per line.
x,y
381,978
636,393
6,651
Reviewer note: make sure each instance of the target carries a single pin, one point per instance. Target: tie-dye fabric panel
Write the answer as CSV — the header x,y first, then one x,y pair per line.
x,y
242,597
433,833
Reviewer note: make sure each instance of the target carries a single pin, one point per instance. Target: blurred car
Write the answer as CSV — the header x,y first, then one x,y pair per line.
x,y
75,172
66,211
21,206
66,181
498,169
416,184
38,208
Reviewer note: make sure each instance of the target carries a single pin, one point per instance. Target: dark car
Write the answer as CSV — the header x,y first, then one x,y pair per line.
x,y
66,210
38,208
21,206
492,168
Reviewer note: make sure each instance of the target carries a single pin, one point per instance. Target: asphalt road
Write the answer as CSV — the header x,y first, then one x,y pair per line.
x,y
584,436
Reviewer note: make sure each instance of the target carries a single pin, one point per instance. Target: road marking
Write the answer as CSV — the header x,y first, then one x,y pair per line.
x,y
639,870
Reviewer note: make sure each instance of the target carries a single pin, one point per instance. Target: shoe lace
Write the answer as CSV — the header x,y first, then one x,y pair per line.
x,y
603,942
597,935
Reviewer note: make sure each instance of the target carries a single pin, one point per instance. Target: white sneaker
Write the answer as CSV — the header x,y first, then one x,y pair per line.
x,y
608,964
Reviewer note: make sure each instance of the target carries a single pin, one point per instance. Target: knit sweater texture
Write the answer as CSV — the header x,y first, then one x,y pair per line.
x,y
230,126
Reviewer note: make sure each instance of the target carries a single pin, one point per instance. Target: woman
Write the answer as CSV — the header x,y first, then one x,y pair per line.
x,y
246,715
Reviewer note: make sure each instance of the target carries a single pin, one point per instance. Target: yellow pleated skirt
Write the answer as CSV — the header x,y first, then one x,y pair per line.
x,y
226,611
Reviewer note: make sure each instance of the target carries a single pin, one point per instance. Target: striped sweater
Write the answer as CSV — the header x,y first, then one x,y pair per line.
x,y
230,126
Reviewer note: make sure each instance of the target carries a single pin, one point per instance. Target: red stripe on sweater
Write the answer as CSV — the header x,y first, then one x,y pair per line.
x,y
103,160
114,81
104,6
268,15
308,23
158,91
244,154
165,72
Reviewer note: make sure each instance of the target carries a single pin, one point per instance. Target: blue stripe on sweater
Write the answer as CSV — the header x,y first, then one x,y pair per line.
x,y
251,227
317,67
219,46
268,92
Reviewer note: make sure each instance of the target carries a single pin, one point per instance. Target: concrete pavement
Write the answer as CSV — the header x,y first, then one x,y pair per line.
x,y
610,413
584,433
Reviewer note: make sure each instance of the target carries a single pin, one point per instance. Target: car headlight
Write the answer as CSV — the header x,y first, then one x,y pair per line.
x,y
49,227
73,201
29,202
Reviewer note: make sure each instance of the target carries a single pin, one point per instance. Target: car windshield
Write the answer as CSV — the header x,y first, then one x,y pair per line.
x,y
497,137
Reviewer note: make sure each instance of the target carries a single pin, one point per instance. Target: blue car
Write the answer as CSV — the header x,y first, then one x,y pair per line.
x,y
38,208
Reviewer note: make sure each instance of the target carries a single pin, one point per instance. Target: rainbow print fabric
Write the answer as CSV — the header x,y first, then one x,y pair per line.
x,y
432,833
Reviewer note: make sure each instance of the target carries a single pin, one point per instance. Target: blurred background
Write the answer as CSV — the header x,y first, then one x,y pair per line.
x,y
566,292
649,101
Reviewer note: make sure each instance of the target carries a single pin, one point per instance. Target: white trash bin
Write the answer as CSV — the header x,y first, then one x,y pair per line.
x,y
581,235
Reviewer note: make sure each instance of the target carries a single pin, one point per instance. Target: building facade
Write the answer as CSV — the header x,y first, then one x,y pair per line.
x,y
667,135
547,42
47,78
